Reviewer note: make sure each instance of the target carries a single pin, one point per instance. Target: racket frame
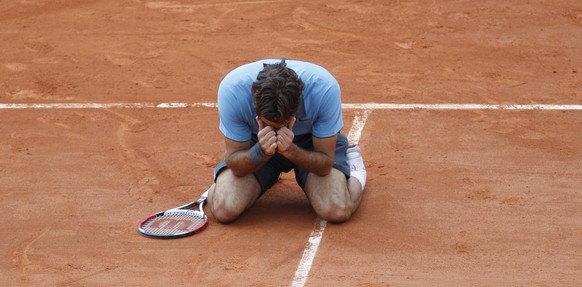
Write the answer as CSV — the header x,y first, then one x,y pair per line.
x,y
188,206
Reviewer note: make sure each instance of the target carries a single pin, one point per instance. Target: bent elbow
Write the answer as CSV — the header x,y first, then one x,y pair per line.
x,y
238,173
324,171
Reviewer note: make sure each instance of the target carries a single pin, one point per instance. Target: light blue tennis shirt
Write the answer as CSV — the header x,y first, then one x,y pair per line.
x,y
319,113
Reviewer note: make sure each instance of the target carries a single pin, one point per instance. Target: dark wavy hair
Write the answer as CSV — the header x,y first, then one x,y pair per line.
x,y
277,92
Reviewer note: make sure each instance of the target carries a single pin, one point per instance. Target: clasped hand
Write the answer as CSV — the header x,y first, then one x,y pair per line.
x,y
276,139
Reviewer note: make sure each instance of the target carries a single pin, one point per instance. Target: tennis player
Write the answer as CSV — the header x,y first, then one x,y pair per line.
x,y
277,116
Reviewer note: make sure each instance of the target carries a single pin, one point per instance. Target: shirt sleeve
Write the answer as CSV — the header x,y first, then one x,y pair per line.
x,y
232,123
329,120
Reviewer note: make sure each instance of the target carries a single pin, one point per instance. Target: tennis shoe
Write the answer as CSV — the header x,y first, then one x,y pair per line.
x,y
355,160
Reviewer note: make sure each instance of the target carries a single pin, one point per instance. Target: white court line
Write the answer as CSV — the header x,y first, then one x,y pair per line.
x,y
363,106
309,254
171,105
376,106
315,238
358,126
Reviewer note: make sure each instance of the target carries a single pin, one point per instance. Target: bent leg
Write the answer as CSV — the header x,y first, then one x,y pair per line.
x,y
333,197
230,196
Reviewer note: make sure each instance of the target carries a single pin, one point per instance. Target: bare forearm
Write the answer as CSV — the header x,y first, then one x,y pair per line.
x,y
315,162
241,164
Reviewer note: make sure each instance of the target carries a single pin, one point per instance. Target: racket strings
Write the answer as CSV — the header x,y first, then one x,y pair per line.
x,y
175,222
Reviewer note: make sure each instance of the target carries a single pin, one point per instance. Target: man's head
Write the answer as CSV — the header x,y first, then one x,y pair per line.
x,y
277,93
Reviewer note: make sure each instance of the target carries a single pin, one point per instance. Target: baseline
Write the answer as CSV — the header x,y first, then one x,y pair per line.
x,y
361,106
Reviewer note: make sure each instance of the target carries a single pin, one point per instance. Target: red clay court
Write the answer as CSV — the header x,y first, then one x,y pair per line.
x,y
468,114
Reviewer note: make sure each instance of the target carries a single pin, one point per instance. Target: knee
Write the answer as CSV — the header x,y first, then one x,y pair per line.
x,y
232,195
336,213
224,213
223,209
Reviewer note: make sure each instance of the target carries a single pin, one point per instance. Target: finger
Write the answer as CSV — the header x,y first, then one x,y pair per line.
x,y
270,133
284,140
271,147
284,135
292,123
261,124
267,132
269,138
281,145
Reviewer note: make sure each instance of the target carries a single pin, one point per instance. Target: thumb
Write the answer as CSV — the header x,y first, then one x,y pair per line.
x,y
292,123
261,124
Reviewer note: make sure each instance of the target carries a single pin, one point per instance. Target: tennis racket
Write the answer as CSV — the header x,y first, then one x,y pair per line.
x,y
177,222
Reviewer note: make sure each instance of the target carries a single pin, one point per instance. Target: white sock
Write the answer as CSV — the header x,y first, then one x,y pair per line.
x,y
357,168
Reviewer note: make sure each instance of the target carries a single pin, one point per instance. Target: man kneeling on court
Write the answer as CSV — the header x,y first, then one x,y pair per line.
x,y
276,116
